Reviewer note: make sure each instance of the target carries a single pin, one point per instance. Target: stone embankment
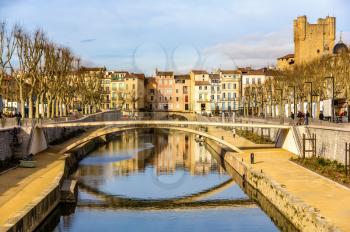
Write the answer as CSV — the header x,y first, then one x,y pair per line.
x,y
34,213
302,216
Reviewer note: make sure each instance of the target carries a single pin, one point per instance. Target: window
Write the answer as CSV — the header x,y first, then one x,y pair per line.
x,y
200,96
205,87
218,88
212,97
200,87
234,86
212,88
229,96
177,99
185,89
259,81
229,85
234,95
133,86
151,98
247,81
218,97
223,96
177,90
223,86
253,81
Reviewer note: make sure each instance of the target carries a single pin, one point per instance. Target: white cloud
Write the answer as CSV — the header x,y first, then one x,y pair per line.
x,y
259,49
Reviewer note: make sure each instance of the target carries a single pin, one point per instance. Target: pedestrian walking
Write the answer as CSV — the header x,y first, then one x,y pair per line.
x,y
300,117
1,105
19,118
307,115
321,116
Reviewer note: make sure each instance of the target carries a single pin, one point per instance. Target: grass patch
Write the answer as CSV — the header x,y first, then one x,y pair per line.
x,y
253,137
325,167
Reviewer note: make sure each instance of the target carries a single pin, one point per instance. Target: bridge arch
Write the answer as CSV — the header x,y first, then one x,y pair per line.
x,y
110,130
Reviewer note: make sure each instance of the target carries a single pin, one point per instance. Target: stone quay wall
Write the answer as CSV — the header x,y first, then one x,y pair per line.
x,y
6,151
301,215
35,213
330,141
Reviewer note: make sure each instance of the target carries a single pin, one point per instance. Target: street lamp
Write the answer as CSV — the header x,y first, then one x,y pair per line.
x,y
333,110
310,82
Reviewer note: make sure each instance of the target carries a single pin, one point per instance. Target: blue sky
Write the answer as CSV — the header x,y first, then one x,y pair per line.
x,y
140,35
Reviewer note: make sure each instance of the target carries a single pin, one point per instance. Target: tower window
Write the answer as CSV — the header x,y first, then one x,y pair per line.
x,y
318,50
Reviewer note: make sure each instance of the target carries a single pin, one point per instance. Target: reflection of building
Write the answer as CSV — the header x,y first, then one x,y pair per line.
x,y
172,150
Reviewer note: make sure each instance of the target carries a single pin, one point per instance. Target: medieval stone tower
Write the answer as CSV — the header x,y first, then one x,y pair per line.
x,y
313,40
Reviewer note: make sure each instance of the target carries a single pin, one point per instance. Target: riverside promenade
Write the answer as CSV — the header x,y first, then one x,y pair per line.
x,y
329,198
20,188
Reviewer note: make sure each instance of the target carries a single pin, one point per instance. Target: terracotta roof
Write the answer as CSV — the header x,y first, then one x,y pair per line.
x,y
202,83
112,72
92,69
196,72
164,73
149,80
214,76
183,76
286,57
230,71
244,70
135,75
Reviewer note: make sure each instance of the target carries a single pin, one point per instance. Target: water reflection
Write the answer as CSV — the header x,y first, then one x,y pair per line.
x,y
157,180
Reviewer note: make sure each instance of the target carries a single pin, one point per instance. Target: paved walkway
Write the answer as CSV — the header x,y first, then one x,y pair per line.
x,y
330,198
22,186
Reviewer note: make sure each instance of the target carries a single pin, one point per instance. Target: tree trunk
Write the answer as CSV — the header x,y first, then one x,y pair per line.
x,y
49,104
22,101
42,107
57,107
61,107
37,106
53,108
30,105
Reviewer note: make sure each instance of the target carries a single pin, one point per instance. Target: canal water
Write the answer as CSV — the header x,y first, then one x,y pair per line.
x,y
157,180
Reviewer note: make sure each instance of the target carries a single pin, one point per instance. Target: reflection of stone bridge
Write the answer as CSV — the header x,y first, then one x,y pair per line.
x,y
189,201
286,137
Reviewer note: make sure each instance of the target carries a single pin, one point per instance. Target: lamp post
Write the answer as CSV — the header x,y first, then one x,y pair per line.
x,y
310,82
294,99
333,110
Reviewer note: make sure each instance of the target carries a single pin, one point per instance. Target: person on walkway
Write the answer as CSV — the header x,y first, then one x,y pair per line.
x,y
292,115
307,115
300,117
1,105
19,118
321,116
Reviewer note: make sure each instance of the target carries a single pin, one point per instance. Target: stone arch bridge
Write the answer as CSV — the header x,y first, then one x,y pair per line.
x,y
286,137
